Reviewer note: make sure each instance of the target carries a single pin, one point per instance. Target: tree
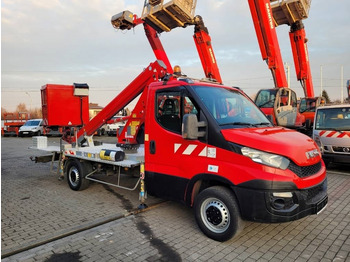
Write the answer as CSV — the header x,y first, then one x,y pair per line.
x,y
21,108
3,111
325,95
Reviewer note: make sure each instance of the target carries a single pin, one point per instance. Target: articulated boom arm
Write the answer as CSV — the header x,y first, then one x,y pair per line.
x,y
292,12
155,71
267,37
301,57
205,51
158,17
126,21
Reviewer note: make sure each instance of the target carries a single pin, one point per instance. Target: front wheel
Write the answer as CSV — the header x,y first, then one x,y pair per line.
x,y
75,173
217,213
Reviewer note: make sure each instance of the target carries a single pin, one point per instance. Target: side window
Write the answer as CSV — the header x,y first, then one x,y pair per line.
x,y
294,101
168,111
188,106
284,98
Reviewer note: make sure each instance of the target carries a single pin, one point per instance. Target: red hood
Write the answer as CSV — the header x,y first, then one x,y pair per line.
x,y
276,140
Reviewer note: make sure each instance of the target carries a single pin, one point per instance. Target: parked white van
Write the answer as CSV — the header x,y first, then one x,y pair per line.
x,y
32,127
331,132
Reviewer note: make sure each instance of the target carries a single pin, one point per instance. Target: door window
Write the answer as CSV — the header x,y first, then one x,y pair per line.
x,y
168,111
171,106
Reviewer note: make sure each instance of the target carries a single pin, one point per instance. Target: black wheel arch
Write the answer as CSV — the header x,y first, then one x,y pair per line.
x,y
202,181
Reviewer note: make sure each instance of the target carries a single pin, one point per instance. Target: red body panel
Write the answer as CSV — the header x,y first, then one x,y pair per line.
x,y
61,108
277,140
269,111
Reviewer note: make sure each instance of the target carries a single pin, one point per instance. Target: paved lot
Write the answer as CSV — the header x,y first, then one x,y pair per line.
x,y
37,207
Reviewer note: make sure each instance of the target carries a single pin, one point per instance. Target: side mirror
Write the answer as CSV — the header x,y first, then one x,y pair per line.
x,y
190,127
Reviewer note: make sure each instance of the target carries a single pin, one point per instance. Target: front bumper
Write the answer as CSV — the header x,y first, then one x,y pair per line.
x,y
26,133
281,205
336,158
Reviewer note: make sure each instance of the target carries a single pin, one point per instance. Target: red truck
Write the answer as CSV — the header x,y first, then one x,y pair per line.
x,y
209,146
204,144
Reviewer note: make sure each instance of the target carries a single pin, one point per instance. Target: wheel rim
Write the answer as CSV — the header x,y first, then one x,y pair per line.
x,y
215,215
74,177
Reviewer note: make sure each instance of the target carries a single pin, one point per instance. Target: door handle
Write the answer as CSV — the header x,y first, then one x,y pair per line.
x,y
152,147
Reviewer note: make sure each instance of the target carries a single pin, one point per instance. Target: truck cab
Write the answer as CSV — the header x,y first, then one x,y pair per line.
x,y
210,147
331,131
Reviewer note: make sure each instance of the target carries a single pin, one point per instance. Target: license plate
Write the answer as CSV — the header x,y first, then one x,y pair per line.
x,y
26,133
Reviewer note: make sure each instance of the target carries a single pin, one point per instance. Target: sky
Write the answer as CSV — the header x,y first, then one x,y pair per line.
x,y
73,41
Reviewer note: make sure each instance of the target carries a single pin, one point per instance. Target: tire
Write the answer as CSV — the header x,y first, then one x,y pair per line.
x,y
38,133
75,174
217,213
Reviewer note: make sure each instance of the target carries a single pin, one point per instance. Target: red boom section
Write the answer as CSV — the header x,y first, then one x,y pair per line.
x,y
152,73
157,46
301,57
266,33
205,51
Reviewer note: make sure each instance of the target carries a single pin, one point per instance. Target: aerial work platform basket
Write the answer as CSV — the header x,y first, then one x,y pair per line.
x,y
290,11
166,16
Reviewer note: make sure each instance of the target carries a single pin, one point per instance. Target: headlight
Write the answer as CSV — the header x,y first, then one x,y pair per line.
x,y
265,158
319,143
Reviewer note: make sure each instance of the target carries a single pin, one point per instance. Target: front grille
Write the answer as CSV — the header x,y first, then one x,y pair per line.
x,y
305,171
340,149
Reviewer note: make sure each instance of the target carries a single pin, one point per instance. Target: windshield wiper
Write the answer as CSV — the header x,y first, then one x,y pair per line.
x,y
237,124
246,124
267,102
262,124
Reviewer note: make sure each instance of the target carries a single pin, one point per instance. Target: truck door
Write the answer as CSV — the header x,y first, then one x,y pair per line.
x,y
170,160
286,107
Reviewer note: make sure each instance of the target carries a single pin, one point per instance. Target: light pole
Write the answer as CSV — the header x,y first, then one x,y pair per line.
x,y
321,73
288,73
342,83
30,97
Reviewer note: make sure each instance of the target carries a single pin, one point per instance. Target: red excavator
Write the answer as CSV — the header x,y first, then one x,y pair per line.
x,y
292,13
281,102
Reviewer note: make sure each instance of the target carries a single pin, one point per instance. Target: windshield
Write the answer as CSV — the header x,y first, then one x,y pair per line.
x,y
307,105
230,107
333,119
266,98
32,123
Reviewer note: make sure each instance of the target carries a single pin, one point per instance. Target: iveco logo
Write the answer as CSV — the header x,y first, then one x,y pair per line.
x,y
312,154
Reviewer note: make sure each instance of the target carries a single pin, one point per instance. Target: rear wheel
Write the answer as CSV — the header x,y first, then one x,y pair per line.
x,y
217,213
76,172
